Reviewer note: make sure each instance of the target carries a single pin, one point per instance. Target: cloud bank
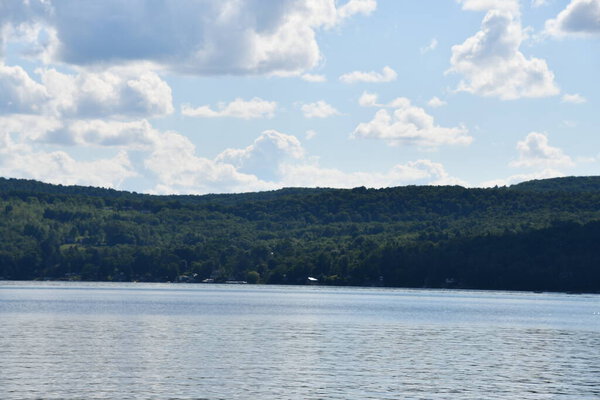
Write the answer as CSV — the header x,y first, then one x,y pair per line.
x,y
191,37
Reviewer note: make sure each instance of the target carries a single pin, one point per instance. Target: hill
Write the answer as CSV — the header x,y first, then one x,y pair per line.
x,y
566,184
538,235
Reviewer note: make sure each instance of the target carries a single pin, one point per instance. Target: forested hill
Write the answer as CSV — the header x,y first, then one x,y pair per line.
x,y
538,235
568,184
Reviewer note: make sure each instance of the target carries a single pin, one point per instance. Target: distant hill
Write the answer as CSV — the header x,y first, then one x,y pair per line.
x,y
567,184
537,235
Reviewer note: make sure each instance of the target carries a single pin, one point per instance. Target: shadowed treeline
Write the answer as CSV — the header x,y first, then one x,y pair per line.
x,y
539,235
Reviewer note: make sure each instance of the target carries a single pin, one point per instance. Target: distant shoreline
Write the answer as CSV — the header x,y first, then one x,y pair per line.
x,y
233,284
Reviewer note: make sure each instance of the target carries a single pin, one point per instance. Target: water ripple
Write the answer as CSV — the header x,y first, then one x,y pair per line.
x,y
353,345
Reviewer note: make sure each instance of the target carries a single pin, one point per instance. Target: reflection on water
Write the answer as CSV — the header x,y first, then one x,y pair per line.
x,y
219,342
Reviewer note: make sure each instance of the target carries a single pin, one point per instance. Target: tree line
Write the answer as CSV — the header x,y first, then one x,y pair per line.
x,y
539,235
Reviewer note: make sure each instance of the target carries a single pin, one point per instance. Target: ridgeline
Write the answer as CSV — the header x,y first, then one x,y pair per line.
x,y
537,235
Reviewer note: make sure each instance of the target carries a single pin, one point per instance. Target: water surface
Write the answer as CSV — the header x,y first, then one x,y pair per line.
x,y
154,341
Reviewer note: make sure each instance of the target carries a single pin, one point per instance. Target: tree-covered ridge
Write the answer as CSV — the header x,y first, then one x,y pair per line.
x,y
406,236
566,184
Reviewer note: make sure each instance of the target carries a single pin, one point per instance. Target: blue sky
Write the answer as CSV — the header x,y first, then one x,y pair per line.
x,y
245,95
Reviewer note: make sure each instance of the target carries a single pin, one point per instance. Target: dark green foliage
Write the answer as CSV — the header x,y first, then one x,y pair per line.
x,y
568,184
539,235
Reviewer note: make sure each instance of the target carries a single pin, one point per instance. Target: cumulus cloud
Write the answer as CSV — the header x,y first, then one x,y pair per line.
x,y
115,92
315,78
573,98
352,7
238,108
20,17
543,161
192,37
19,93
386,75
21,161
28,127
169,159
491,62
264,157
579,18
420,171
369,100
410,125
22,155
534,151
436,102
118,92
272,161
319,109
133,135
177,169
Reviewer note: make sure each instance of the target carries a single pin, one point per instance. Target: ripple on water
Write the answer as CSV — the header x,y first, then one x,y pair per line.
x,y
345,348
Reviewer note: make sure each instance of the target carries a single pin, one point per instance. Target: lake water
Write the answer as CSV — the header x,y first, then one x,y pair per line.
x,y
164,341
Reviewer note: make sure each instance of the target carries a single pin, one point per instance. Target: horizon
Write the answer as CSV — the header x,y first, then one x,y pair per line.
x,y
298,187
209,97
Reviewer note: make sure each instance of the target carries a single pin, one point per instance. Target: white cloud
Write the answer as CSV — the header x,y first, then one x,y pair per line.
x,y
579,18
517,178
534,151
387,75
352,7
264,157
436,102
511,6
199,37
537,155
430,47
27,127
238,108
491,62
19,93
309,134
320,109
18,18
420,171
315,78
410,125
272,161
167,158
117,92
21,161
177,169
23,153
369,100
538,3
573,98
133,135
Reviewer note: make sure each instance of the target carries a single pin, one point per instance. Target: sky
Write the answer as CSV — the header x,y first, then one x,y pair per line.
x,y
227,96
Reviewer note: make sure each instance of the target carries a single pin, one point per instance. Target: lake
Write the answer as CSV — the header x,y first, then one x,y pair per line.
x,y
72,340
